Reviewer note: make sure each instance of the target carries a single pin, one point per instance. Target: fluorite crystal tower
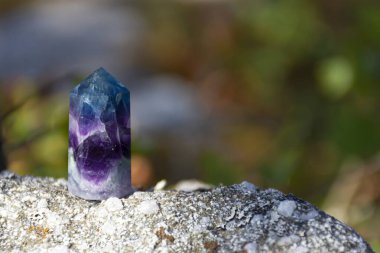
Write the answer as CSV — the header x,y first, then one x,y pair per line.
x,y
99,138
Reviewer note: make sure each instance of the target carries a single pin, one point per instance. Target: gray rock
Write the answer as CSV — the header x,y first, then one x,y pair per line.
x,y
40,215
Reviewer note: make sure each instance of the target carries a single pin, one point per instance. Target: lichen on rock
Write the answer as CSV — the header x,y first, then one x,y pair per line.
x,y
40,215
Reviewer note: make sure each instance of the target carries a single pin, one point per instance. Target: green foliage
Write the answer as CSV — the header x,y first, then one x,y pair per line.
x,y
335,77
355,132
217,170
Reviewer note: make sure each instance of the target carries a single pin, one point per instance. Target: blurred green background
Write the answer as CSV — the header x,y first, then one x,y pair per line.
x,y
285,94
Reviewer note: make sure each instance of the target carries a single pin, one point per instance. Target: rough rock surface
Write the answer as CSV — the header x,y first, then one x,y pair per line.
x,y
40,215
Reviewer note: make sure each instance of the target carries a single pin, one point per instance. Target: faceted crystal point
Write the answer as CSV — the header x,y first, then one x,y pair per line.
x,y
99,138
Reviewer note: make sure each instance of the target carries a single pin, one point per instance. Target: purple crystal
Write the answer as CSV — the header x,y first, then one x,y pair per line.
x,y
99,138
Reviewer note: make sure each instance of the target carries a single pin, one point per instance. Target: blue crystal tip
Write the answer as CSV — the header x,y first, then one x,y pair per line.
x,y
101,77
102,72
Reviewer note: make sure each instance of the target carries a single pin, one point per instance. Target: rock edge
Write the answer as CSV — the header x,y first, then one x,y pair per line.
x,y
40,215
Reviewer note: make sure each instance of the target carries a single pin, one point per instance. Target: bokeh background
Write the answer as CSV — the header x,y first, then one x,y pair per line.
x,y
285,94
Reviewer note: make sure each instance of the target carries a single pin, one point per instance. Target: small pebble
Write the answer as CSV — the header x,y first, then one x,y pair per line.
x,y
286,208
113,204
108,228
247,186
42,203
148,207
160,185
251,247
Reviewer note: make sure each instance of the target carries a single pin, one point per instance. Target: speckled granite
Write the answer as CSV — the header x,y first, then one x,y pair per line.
x,y
40,215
